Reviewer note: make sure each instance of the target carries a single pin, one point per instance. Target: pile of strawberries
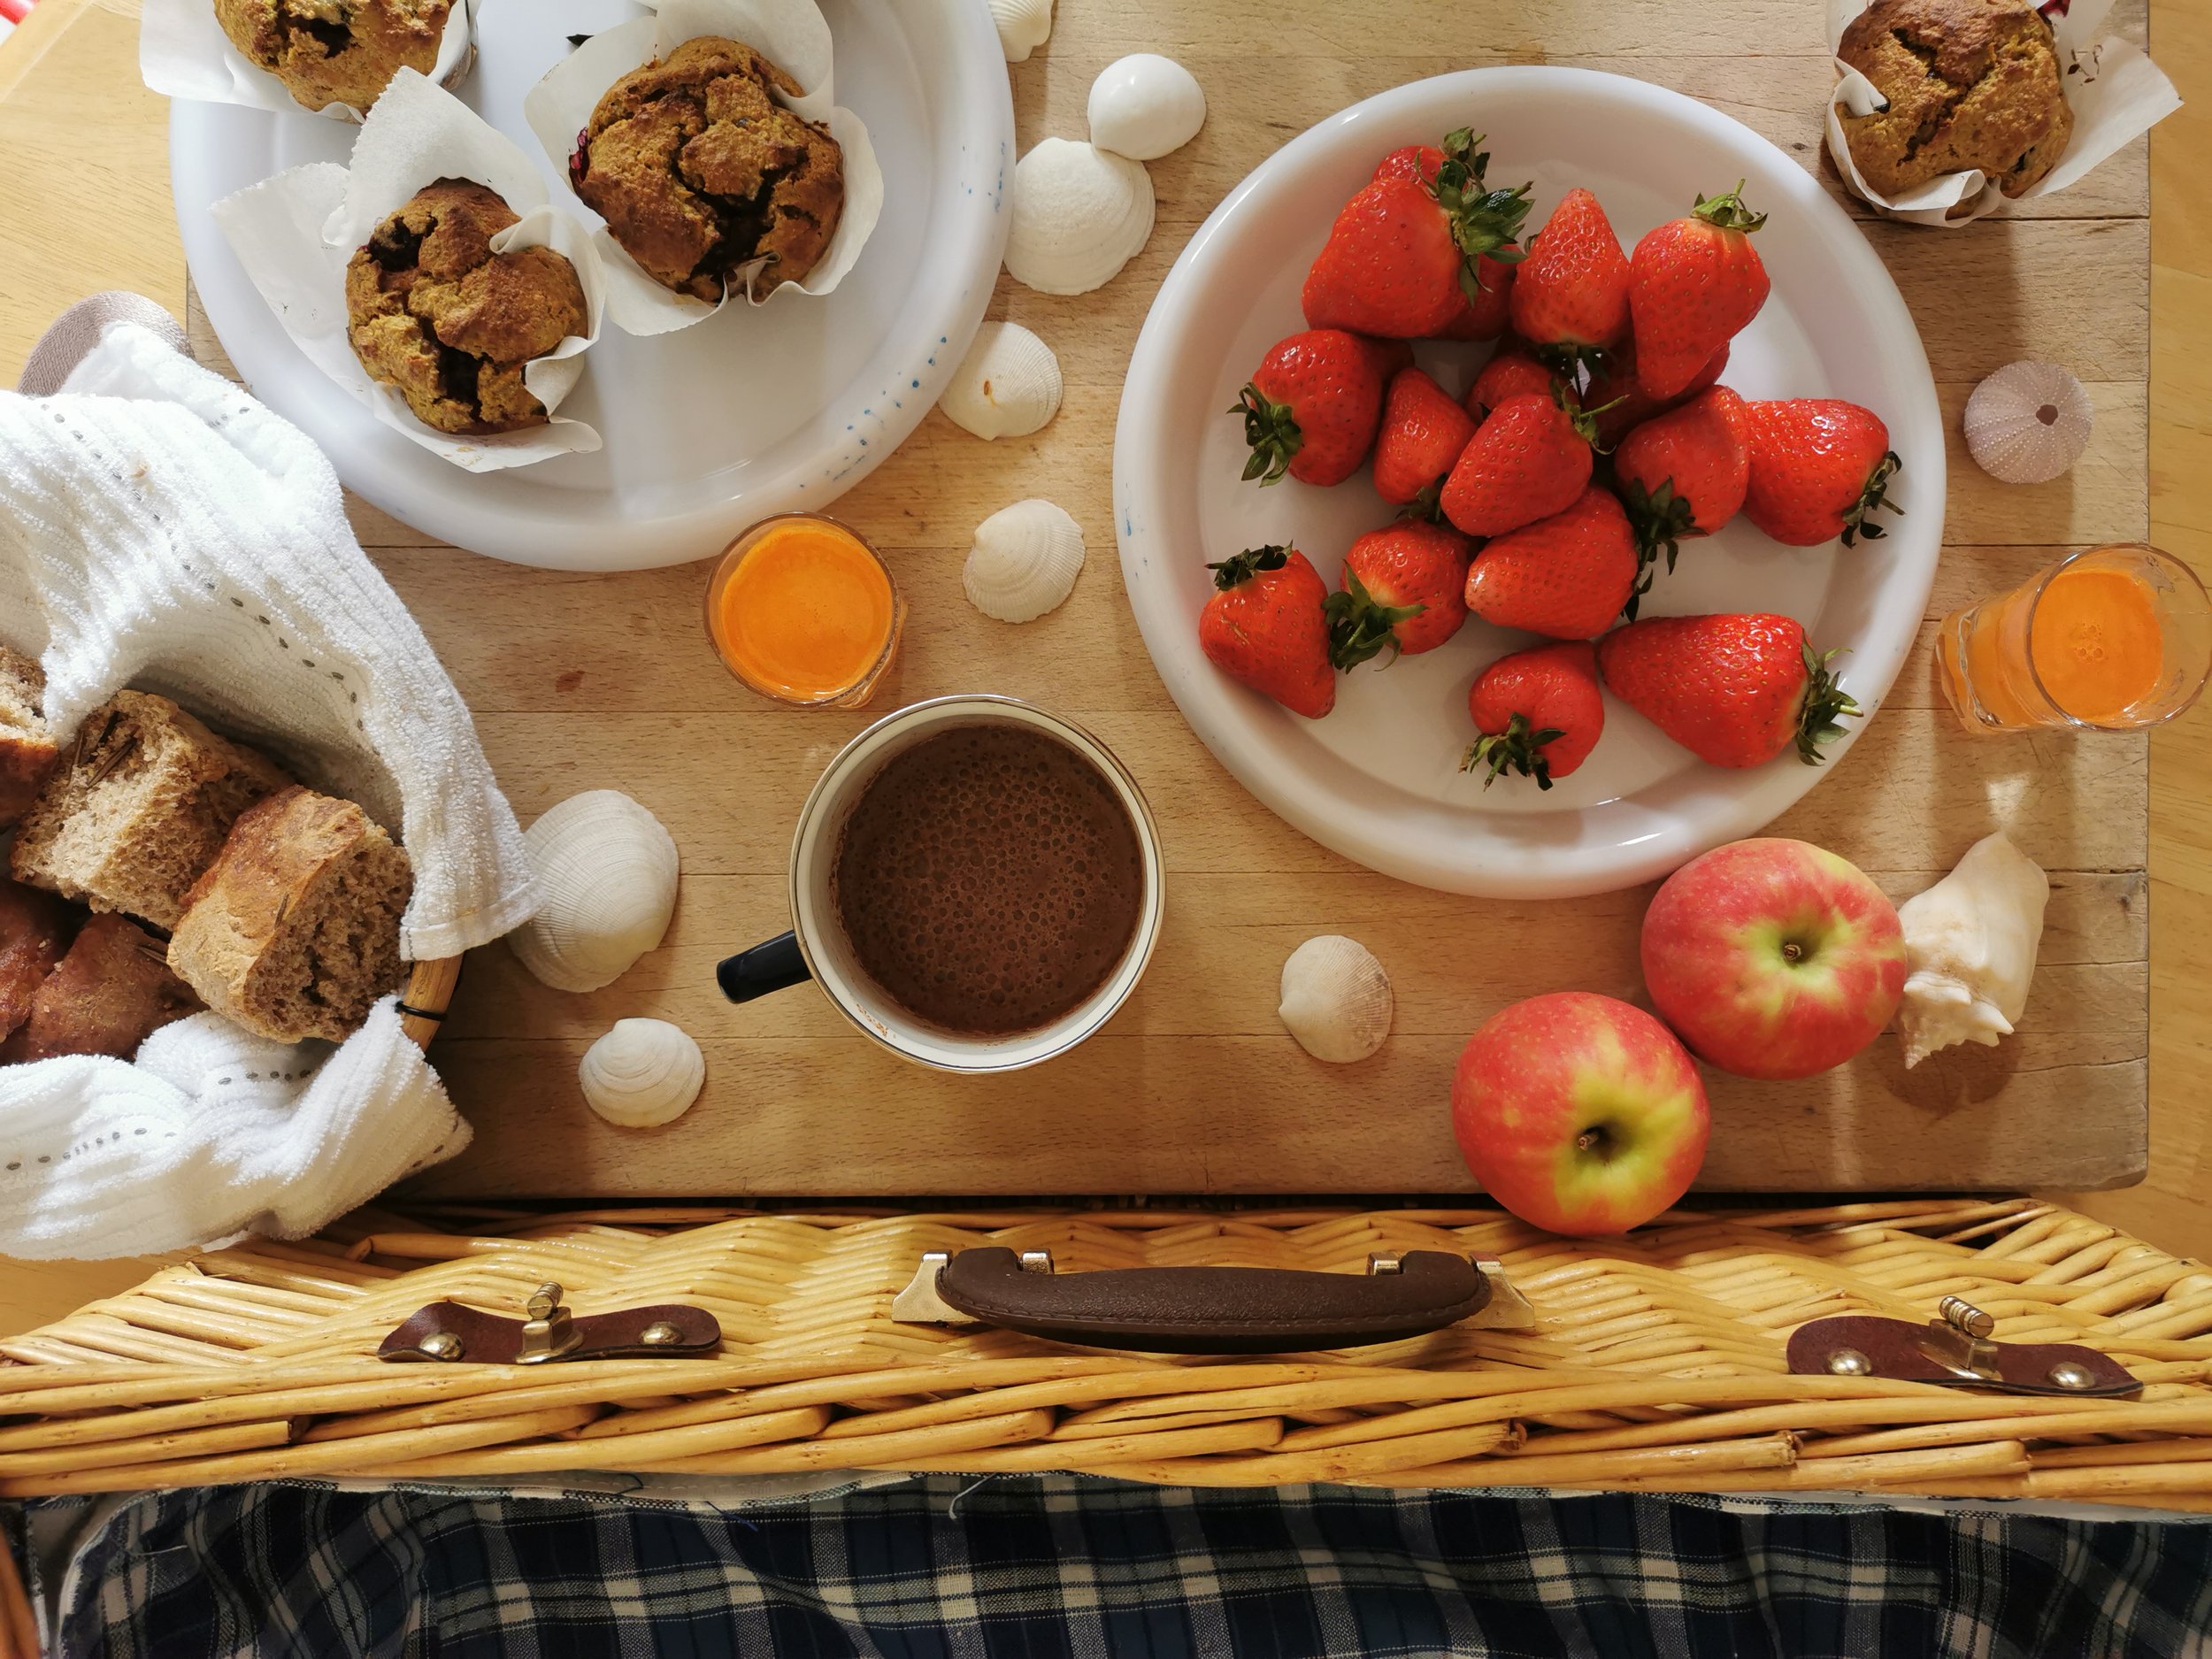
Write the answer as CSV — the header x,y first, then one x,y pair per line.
x,y
1596,440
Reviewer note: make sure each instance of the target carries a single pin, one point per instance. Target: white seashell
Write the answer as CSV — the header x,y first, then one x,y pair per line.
x,y
1024,560
1144,105
2028,423
644,1073
608,871
1022,25
1336,999
1079,214
1006,387
1970,950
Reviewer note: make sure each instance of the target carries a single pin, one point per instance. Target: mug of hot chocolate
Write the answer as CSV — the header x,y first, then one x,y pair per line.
x,y
975,883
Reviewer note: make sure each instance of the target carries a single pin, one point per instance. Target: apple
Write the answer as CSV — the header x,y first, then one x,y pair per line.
x,y
1772,958
1579,1113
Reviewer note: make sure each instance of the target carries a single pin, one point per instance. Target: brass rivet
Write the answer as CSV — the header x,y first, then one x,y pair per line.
x,y
1036,1260
1848,1362
659,1333
541,1304
2069,1374
441,1345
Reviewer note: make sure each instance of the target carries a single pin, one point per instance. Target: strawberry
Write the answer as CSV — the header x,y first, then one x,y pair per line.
x,y
1734,691
1540,712
1693,284
1529,460
1403,589
1512,372
1618,404
1486,311
1683,473
1566,576
1818,466
1311,407
1401,250
1422,431
1267,625
1571,291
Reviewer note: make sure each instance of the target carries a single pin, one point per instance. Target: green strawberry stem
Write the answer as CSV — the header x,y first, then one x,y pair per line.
x,y
1660,517
1569,360
1483,220
1359,627
1827,704
1856,522
1516,748
1242,567
1428,506
1728,212
1585,421
1271,429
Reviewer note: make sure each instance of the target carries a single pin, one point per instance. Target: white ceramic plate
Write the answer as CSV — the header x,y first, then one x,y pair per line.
x,y
1377,780
753,412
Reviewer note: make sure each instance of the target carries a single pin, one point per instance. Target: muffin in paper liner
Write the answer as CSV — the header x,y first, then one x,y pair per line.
x,y
184,53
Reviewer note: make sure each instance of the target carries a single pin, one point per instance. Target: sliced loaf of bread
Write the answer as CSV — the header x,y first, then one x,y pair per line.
x,y
294,931
27,747
139,809
34,930
111,992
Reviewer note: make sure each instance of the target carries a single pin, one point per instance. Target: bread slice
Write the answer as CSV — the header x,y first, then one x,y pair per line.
x,y
294,931
34,930
139,809
107,995
27,747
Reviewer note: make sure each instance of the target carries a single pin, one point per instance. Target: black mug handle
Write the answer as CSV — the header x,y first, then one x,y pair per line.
x,y
766,967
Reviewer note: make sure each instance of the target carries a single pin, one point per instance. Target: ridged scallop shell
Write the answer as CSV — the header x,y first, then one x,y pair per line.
x,y
1023,26
1079,214
2028,423
642,1073
608,871
1336,999
1006,387
1024,560
1144,105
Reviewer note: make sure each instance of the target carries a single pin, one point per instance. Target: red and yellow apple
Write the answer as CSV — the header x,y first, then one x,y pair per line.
x,y
1579,1113
1772,958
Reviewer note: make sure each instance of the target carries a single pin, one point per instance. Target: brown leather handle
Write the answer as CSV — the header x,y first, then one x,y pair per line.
x,y
1215,1309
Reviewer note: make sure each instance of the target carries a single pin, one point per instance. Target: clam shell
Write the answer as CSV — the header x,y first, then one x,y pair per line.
x,y
1144,105
642,1073
1336,999
1006,387
608,871
2028,423
1022,25
1079,214
1024,560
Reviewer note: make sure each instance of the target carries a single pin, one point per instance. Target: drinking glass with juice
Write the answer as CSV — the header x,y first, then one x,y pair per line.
x,y
802,610
2112,639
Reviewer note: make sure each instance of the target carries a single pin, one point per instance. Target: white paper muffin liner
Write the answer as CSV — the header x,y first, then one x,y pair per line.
x,y
183,53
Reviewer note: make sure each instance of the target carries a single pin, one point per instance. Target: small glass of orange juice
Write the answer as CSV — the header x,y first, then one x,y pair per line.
x,y
804,611
2115,639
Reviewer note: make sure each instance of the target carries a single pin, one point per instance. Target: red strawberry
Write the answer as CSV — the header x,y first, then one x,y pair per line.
x,y
1267,625
1422,431
1566,576
1818,466
1311,406
1683,473
1619,405
1571,291
1486,311
1512,372
1734,691
1540,712
1693,284
1403,588
1529,460
1417,162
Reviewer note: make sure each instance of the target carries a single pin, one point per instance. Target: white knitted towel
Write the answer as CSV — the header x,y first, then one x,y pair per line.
x,y
160,529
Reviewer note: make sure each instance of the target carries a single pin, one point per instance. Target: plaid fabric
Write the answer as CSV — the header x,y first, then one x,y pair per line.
x,y
1044,1568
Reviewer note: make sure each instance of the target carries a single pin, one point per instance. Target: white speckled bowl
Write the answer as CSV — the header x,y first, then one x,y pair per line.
x,y
759,411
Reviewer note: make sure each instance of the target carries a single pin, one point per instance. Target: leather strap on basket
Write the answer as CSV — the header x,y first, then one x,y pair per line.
x,y
451,1330
1865,1344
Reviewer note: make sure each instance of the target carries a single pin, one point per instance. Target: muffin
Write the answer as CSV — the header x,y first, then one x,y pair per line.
x,y
698,170
336,51
432,311
1968,83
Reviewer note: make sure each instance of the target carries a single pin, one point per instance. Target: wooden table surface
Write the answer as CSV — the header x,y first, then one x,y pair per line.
x,y
582,682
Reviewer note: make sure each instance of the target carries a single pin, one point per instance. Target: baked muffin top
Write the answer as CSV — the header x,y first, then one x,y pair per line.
x,y
1970,83
336,51
698,170
432,311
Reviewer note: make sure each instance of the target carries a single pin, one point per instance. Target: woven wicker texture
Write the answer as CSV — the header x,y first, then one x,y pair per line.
x,y
1657,1363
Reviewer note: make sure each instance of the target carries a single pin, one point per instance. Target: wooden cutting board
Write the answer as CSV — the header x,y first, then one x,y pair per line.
x,y
606,682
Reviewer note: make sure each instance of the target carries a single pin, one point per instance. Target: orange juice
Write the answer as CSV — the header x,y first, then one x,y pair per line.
x,y
802,610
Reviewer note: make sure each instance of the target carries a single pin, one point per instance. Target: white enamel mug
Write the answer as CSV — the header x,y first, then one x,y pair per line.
x,y
815,948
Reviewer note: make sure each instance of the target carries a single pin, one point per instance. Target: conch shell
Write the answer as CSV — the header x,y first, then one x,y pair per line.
x,y
1023,26
608,871
641,1074
2028,423
1336,999
1024,560
1006,387
1079,214
1970,950
1144,105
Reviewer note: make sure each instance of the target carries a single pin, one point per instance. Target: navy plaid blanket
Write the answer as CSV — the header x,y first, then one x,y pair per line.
x,y
1070,1567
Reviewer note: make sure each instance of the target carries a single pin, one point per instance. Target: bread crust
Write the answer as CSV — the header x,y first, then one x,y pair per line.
x,y
107,995
27,752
